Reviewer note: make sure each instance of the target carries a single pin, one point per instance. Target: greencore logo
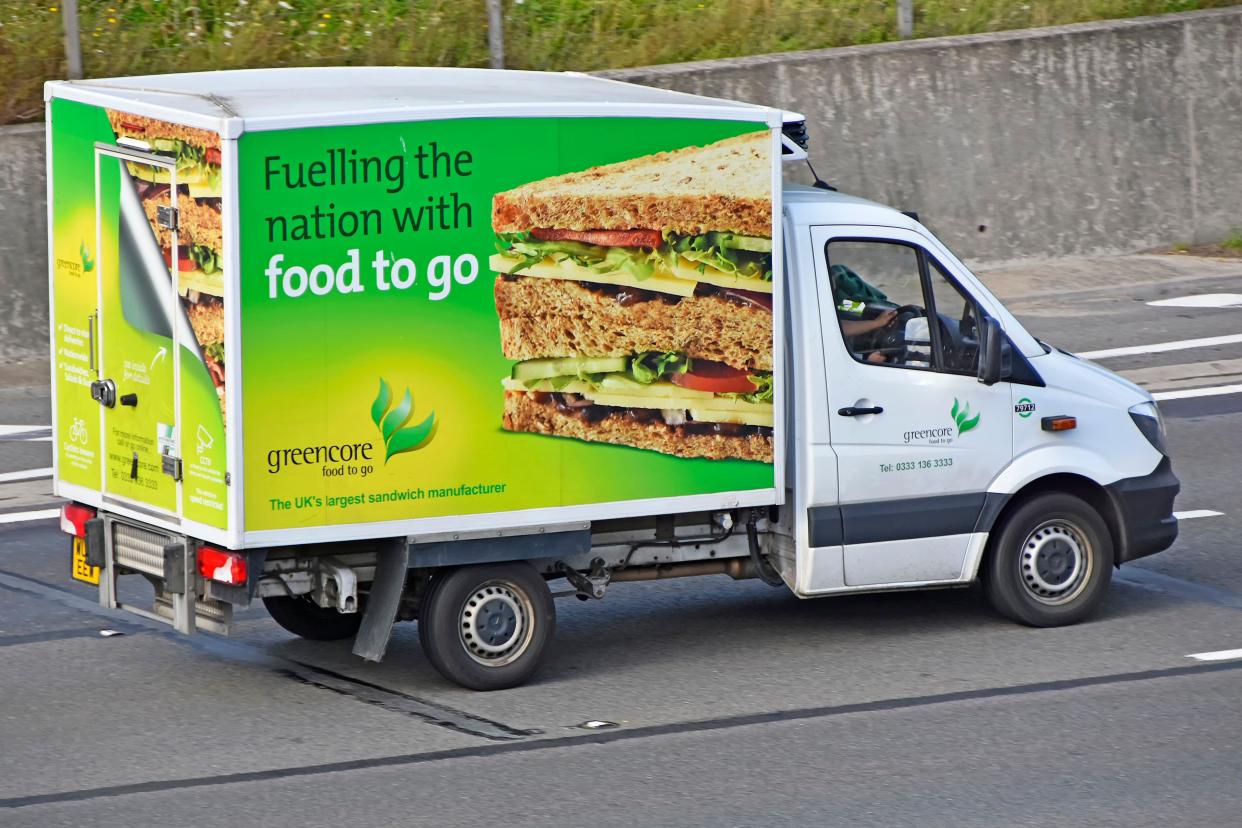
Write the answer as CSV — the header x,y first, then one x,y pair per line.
x,y
88,263
391,423
1024,408
961,416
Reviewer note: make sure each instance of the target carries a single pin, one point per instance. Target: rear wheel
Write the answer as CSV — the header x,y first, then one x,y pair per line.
x,y
1051,562
301,616
485,627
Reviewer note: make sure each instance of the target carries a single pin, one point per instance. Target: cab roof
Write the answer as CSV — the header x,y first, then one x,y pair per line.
x,y
812,206
236,101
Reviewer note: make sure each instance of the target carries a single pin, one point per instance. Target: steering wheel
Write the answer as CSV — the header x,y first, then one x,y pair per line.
x,y
892,337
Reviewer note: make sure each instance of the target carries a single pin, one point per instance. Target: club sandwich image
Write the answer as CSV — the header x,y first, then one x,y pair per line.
x,y
636,301
200,234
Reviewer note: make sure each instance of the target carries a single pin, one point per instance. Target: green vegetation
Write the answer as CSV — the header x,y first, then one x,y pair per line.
x,y
131,37
1233,241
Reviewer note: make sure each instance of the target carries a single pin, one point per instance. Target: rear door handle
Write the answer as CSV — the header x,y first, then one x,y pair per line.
x,y
858,412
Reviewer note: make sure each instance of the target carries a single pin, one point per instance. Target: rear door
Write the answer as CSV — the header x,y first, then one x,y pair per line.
x,y
917,437
140,324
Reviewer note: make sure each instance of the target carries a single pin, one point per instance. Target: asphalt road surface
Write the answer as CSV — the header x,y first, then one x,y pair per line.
x,y
734,703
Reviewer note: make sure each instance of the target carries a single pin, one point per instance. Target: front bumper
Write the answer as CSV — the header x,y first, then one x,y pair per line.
x,y
1144,508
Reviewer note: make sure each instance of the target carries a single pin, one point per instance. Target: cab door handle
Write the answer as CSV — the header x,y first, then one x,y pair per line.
x,y
850,411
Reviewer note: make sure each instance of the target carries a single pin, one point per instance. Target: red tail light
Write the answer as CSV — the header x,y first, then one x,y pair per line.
x,y
224,567
73,518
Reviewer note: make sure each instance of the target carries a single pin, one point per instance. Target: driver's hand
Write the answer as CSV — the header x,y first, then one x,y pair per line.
x,y
883,319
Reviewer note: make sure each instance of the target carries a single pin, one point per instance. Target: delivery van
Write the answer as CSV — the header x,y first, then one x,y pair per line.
x,y
373,345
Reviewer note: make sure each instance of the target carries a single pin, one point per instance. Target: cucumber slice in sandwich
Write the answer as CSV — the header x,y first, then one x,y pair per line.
x,y
534,369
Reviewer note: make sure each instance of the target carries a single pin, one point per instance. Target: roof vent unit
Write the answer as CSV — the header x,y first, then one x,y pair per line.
x,y
794,141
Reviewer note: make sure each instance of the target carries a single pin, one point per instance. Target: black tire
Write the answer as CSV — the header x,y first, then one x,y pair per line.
x,y
1050,563
486,627
303,617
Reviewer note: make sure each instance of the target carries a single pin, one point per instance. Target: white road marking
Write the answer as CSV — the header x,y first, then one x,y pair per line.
x,y
27,474
1201,300
1187,393
1161,347
1218,655
1196,513
22,517
33,428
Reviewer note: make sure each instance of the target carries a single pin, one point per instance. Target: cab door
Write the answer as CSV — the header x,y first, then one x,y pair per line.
x,y
140,325
917,437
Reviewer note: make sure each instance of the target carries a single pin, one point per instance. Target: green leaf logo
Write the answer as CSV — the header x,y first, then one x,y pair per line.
x,y
391,421
88,263
961,416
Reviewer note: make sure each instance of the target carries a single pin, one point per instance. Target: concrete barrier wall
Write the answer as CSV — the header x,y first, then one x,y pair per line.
x,y
1086,139
23,243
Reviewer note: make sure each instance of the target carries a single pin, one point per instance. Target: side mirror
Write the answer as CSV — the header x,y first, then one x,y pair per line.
x,y
990,352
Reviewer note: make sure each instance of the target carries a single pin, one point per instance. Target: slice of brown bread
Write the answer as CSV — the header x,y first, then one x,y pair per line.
x,y
523,413
559,318
722,186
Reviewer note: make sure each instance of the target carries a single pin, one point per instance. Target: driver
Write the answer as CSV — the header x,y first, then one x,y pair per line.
x,y
856,327
850,287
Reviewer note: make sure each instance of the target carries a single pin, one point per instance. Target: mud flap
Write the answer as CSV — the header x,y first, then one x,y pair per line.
x,y
383,601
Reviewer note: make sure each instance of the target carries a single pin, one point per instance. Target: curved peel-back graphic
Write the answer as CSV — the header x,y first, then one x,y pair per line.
x,y
399,439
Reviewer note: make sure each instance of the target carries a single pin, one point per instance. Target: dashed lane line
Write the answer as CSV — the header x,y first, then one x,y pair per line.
x,y
1161,347
24,517
1197,513
1218,655
1188,393
1201,300
25,433
25,474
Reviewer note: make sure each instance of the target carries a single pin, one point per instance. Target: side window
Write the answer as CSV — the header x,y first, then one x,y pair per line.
x,y
877,290
958,320
898,307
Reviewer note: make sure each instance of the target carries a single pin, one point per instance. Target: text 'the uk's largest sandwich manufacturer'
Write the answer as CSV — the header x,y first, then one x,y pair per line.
x,y
637,299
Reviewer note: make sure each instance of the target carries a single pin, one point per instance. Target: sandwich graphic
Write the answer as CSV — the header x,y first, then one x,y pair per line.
x,y
636,300
200,234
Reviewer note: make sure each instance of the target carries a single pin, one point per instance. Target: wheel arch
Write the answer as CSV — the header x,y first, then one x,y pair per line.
x,y
1077,485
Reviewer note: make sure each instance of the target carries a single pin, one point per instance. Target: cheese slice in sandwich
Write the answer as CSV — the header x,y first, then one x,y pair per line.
x,y
637,298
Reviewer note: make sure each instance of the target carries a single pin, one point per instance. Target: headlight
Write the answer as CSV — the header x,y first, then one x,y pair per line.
x,y
1147,417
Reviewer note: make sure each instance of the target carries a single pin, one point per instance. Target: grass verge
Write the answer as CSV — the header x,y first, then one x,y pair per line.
x,y
134,37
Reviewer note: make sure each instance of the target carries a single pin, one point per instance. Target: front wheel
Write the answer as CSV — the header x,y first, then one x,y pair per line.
x,y
1051,562
485,627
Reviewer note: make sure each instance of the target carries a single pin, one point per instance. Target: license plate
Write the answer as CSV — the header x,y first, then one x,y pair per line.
x,y
82,571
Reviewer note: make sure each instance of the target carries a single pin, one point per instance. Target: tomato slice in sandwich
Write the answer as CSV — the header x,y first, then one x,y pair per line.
x,y
184,262
715,378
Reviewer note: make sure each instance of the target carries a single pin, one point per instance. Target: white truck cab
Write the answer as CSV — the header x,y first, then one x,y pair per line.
x,y
915,452
223,311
